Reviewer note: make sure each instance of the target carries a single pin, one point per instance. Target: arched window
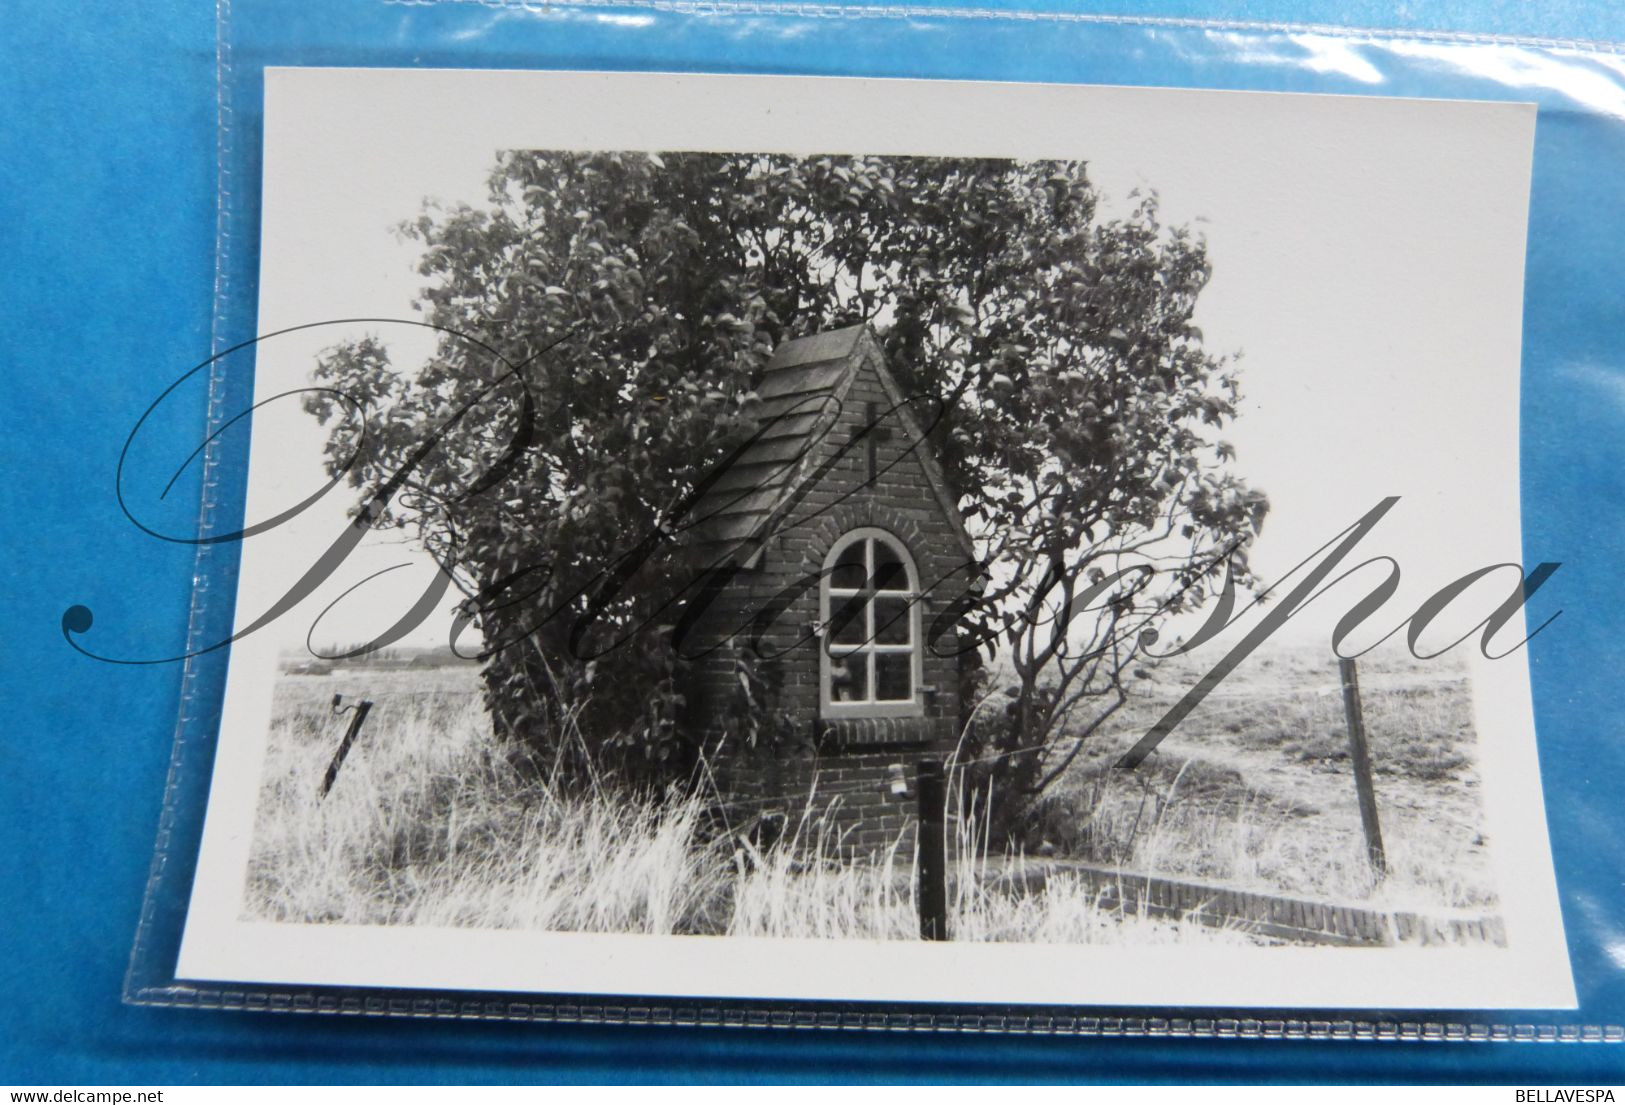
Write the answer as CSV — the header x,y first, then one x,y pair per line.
x,y
869,607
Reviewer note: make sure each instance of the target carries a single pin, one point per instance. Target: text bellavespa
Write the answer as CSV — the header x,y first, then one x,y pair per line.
x,y
602,591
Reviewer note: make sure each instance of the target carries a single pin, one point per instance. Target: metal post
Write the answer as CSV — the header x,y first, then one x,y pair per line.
x,y
1360,756
356,719
933,891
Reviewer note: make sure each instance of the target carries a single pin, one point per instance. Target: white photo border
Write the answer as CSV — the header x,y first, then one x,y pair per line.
x,y
316,114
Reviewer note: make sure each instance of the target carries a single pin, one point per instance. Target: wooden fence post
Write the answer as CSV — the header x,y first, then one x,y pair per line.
x,y
1360,756
360,715
933,890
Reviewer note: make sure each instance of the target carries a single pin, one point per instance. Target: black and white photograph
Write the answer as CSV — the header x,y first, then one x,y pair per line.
x,y
821,538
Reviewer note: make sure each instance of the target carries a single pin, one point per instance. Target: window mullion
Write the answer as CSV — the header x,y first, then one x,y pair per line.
x,y
873,686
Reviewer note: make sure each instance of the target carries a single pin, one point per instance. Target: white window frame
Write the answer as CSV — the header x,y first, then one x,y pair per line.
x,y
828,706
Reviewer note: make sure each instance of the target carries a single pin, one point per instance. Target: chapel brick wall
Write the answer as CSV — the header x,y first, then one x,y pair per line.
x,y
838,770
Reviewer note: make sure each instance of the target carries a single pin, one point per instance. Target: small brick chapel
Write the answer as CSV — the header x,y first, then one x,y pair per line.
x,y
839,519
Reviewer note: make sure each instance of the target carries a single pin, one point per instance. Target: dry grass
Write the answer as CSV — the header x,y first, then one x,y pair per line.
x,y
428,823
1255,788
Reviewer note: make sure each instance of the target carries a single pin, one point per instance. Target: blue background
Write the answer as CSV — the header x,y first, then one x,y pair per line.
x,y
107,186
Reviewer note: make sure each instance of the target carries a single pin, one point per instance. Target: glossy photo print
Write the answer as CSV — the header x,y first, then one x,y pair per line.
x,y
802,538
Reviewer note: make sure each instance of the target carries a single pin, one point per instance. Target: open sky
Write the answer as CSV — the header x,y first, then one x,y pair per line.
x,y
1367,271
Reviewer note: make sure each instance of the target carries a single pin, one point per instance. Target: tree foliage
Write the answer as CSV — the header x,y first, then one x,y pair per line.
x,y
636,298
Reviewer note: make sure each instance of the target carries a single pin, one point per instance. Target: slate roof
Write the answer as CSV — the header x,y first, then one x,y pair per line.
x,y
801,394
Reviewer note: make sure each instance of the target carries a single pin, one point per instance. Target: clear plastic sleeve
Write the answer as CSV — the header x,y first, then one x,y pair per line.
x,y
1570,462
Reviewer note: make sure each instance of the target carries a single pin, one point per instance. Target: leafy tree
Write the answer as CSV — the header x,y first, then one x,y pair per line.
x,y
637,297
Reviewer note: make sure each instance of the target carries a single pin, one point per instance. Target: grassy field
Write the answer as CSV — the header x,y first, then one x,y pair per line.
x,y
429,823
1255,789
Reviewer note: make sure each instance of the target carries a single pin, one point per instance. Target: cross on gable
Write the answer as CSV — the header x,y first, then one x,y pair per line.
x,y
802,391
873,433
